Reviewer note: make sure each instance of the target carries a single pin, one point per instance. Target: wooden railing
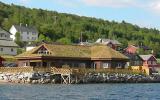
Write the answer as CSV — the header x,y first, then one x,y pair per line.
x,y
42,69
91,70
55,70
16,69
61,70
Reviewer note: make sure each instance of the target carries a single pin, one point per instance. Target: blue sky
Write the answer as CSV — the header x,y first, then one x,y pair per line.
x,y
145,13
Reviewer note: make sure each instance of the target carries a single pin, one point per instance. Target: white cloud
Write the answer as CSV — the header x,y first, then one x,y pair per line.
x,y
110,3
150,5
24,1
155,6
68,3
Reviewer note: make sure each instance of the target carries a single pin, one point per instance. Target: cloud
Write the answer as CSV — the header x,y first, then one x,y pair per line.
x,y
68,3
110,3
24,1
155,6
148,5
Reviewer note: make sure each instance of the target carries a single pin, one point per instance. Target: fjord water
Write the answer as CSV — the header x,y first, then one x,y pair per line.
x,y
80,92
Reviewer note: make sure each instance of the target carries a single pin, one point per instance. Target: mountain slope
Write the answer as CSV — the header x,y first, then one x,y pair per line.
x,y
54,26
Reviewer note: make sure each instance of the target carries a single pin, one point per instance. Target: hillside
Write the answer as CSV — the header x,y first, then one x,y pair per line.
x,y
54,26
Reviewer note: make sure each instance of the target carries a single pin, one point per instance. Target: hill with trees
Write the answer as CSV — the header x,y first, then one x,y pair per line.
x,y
66,28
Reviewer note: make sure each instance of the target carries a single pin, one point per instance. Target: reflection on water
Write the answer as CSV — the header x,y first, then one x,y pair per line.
x,y
80,92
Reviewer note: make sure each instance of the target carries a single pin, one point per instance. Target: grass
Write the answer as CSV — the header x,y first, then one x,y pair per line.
x,y
9,58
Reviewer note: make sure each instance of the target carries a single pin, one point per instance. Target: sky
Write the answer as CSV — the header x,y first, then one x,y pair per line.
x,y
144,13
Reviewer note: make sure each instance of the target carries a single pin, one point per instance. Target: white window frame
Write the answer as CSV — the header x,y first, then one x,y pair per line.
x,y
105,65
43,51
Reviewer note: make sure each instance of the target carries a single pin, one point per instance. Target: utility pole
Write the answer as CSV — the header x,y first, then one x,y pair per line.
x,y
81,37
19,14
55,19
81,40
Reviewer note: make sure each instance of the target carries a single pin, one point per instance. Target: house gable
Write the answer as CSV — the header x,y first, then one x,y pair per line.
x,y
152,58
42,50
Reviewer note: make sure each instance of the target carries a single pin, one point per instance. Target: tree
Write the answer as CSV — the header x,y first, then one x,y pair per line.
x,y
41,37
19,41
64,41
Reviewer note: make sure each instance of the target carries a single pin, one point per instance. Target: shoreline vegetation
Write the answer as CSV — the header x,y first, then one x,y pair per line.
x,y
78,76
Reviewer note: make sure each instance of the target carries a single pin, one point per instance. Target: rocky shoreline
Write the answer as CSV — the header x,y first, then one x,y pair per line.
x,y
45,78
120,78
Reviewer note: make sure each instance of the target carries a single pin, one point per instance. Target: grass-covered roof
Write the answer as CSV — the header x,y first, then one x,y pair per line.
x,y
75,51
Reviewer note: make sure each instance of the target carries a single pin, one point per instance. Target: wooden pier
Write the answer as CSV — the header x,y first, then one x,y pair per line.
x,y
65,74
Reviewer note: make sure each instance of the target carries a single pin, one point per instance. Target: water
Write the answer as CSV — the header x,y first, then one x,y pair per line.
x,y
80,92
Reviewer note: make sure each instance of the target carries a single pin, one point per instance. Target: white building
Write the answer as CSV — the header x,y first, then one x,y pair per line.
x,y
7,45
114,44
27,33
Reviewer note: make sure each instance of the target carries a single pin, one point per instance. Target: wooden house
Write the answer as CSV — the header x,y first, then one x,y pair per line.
x,y
114,44
134,59
150,62
53,55
131,49
7,45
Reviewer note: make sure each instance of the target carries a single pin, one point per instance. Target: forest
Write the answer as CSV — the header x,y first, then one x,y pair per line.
x,y
66,28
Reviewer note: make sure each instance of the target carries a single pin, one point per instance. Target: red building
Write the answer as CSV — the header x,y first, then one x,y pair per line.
x,y
150,62
131,49
1,61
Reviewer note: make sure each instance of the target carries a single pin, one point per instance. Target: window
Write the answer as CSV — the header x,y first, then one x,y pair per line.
x,y
43,51
1,49
119,65
24,32
2,35
33,33
33,38
149,62
105,65
136,63
154,63
12,50
82,65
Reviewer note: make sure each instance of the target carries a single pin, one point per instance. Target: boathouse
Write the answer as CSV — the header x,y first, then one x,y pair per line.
x,y
53,55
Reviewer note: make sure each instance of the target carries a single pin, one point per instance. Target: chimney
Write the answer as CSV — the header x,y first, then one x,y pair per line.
x,y
26,25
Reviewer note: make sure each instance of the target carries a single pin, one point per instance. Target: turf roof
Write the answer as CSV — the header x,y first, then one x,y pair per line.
x,y
78,51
